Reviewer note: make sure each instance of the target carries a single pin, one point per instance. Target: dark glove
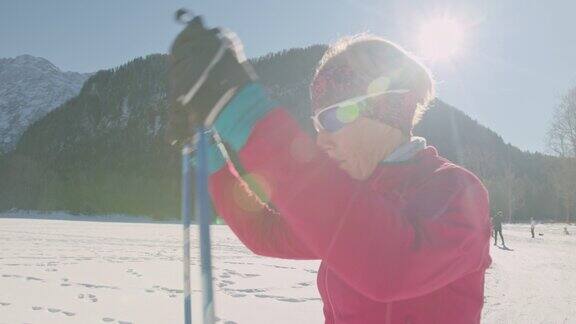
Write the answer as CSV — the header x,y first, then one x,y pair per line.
x,y
206,67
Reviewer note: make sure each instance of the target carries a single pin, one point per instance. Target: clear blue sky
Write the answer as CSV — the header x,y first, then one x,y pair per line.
x,y
519,55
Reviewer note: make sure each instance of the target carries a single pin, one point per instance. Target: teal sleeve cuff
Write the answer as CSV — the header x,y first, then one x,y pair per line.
x,y
215,159
235,122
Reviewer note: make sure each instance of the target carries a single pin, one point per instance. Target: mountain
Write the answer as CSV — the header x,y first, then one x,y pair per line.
x,y
30,87
103,151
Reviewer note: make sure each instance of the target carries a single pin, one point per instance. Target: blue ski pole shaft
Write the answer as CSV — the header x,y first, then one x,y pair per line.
x,y
186,215
203,213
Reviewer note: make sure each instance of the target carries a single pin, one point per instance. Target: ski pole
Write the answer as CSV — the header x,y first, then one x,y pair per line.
x,y
203,214
186,215
202,204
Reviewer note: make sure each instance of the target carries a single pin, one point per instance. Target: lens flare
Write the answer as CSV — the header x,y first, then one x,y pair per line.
x,y
349,113
440,38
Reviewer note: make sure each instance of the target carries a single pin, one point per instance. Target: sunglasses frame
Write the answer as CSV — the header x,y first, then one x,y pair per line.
x,y
315,117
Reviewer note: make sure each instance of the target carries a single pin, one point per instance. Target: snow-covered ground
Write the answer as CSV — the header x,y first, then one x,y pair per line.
x,y
63,271
123,270
534,281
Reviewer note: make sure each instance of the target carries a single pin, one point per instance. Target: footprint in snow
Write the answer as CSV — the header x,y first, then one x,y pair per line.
x,y
87,285
251,291
90,297
280,298
290,300
282,267
54,310
107,319
4,304
36,308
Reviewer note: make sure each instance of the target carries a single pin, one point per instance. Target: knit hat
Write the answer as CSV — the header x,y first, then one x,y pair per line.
x,y
375,66
396,110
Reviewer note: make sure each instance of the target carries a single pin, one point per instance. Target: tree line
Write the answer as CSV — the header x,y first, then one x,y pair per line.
x,y
103,151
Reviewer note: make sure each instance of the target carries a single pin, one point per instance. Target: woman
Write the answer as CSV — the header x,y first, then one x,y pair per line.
x,y
402,233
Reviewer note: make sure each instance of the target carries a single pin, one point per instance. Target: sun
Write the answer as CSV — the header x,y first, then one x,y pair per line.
x,y
440,38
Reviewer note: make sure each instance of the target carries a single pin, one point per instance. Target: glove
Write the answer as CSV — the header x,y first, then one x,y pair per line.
x,y
206,67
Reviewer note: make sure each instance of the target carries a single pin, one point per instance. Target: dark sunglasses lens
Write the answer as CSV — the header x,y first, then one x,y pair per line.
x,y
330,121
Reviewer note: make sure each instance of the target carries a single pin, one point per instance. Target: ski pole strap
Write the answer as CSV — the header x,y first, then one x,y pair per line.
x,y
185,98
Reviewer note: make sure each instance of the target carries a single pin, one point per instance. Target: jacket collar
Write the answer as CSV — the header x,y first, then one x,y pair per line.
x,y
406,151
398,175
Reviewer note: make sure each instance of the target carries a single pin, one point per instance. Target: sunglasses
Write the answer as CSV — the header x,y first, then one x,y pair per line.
x,y
334,117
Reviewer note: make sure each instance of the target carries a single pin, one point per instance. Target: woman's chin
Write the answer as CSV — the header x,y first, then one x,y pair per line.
x,y
346,168
356,173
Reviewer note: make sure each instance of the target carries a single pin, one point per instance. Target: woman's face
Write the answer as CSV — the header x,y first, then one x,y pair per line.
x,y
359,146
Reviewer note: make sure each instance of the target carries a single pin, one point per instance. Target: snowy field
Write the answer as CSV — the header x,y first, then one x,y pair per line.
x,y
535,280
124,270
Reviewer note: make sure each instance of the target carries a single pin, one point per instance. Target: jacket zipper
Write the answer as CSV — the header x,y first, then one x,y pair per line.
x,y
328,294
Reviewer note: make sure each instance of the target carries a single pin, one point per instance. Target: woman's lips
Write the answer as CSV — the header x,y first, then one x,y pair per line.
x,y
340,162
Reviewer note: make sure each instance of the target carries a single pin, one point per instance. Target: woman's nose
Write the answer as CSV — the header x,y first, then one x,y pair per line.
x,y
324,140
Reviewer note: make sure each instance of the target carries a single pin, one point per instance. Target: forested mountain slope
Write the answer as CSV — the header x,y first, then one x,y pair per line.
x,y
103,151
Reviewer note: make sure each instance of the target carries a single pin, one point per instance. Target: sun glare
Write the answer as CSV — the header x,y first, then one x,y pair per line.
x,y
440,38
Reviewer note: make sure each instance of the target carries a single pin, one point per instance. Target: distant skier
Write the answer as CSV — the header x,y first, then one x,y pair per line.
x,y
402,233
497,226
532,226
566,230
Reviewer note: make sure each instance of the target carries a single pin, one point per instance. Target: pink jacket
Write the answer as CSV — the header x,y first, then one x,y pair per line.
x,y
408,245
